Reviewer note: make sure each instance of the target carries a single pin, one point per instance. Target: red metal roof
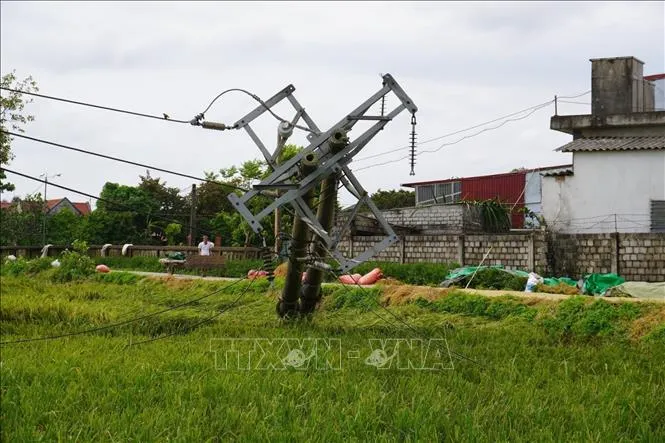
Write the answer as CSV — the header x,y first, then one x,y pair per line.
x,y
505,174
654,77
5,204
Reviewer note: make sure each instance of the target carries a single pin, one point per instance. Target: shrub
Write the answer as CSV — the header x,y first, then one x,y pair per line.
x,y
491,278
74,265
23,266
411,273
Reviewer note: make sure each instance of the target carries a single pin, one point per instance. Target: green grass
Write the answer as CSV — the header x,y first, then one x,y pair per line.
x,y
551,371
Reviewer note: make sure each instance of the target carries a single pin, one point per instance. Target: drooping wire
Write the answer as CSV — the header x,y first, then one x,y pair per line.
x,y
258,99
390,151
164,117
400,320
205,320
455,142
122,323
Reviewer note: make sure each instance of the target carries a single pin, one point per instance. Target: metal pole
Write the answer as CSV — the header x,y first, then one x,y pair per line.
x,y
311,290
45,211
287,305
192,217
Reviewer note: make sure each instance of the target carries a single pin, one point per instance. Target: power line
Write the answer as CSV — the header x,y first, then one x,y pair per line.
x,y
117,159
431,151
206,320
485,130
101,199
122,323
399,319
164,117
258,99
456,132
472,127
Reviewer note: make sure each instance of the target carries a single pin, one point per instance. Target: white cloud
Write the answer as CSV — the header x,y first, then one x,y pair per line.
x,y
462,63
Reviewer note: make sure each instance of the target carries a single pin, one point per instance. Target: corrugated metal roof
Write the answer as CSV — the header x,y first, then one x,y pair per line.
x,y
503,174
558,172
614,144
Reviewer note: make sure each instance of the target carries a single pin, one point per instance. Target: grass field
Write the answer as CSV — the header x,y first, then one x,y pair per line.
x,y
576,370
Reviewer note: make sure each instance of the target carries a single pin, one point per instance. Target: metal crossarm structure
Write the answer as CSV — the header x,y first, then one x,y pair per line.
x,y
285,177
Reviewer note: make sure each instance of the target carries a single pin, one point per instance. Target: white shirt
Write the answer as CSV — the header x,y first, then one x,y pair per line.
x,y
205,248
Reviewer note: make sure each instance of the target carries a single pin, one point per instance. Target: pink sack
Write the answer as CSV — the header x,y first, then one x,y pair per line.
x,y
347,279
102,268
371,277
356,277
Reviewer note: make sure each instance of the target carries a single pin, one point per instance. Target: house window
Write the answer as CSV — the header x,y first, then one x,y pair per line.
x,y
657,215
450,192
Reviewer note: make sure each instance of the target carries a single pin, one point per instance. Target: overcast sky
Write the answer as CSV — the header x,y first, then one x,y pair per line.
x,y
462,63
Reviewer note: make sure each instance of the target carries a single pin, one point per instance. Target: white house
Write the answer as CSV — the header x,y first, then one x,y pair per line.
x,y
617,181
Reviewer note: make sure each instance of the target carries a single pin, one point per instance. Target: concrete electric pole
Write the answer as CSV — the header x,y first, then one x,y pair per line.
x,y
323,163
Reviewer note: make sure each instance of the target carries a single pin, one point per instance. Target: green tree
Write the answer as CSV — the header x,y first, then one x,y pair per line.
x,y
394,199
64,227
171,231
101,227
21,224
12,117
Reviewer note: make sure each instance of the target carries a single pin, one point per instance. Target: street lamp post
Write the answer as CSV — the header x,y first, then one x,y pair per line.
x,y
46,177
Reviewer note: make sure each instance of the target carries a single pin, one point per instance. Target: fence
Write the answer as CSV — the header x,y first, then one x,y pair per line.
x,y
230,253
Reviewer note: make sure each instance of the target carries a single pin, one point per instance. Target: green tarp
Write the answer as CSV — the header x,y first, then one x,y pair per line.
x,y
598,284
594,284
176,255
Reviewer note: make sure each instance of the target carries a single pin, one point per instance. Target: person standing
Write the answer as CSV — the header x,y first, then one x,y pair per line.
x,y
205,246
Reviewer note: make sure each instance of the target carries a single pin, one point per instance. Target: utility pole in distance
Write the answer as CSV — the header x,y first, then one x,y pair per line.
x,y
192,217
46,205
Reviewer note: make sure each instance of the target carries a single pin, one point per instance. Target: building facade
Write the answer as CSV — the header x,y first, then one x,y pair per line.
x,y
617,182
517,189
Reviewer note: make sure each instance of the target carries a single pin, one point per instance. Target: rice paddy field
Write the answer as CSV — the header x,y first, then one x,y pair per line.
x,y
136,359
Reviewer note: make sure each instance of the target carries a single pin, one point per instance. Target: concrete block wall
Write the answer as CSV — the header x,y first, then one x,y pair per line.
x,y
513,251
431,248
636,257
642,257
580,254
449,217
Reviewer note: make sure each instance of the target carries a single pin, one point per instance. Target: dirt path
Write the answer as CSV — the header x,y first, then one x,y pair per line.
x,y
428,289
180,276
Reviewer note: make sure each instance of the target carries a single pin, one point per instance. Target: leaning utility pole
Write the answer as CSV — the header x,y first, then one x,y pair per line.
x,y
311,291
323,163
287,305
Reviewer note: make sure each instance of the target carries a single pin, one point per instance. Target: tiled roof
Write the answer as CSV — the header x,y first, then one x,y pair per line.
x,y
83,208
614,144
